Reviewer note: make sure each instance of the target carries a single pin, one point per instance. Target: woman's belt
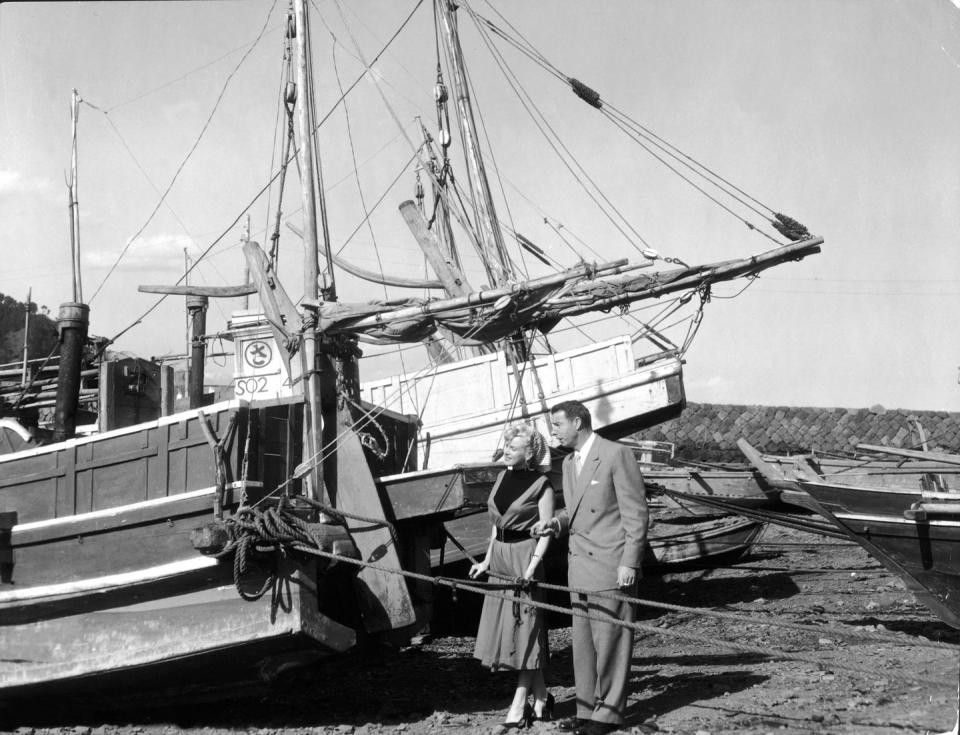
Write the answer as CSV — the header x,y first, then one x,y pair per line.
x,y
511,536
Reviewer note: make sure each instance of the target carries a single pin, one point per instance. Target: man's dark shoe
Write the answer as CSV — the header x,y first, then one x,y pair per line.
x,y
572,724
592,727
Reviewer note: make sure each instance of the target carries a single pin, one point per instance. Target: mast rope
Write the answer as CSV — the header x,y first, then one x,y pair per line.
x,y
266,187
567,158
636,131
186,158
496,170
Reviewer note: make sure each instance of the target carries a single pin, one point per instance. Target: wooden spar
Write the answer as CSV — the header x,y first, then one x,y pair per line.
x,y
26,339
496,260
713,273
370,275
453,280
480,298
912,454
74,206
312,424
211,291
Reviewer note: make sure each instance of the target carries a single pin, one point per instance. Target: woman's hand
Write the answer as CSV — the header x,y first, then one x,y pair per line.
x,y
479,568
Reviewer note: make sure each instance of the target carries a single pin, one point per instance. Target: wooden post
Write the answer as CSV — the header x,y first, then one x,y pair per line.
x,y
72,321
26,340
197,308
167,390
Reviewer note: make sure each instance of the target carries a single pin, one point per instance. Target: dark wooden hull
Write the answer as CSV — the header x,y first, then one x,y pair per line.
x,y
925,553
742,488
675,542
100,575
672,540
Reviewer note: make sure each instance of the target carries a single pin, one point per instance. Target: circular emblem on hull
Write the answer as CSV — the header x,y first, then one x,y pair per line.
x,y
257,354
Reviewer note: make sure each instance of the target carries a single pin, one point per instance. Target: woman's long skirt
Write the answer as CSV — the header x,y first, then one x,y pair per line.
x,y
512,633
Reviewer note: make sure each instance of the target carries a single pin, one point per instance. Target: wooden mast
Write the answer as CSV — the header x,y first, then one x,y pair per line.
x,y
74,316
311,264
74,207
496,260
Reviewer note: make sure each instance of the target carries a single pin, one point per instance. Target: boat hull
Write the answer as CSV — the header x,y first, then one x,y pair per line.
x,y
740,488
925,553
464,406
177,626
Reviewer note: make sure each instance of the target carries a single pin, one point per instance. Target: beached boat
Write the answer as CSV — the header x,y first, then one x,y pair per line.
x,y
915,534
225,531
868,469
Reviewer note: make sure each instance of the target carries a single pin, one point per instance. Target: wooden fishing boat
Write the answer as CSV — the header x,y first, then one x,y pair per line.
x,y
676,538
740,488
868,469
165,539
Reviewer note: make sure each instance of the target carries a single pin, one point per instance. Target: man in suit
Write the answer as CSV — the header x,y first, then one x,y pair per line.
x,y
606,519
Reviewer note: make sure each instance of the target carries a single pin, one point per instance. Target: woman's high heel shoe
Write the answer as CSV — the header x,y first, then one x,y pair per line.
x,y
525,721
547,713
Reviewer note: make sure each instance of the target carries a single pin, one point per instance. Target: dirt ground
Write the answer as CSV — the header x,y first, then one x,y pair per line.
x,y
678,686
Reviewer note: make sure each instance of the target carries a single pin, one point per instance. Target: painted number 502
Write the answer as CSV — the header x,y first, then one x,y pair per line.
x,y
249,386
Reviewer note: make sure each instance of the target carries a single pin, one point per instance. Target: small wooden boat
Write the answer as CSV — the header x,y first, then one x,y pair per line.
x,y
675,538
743,488
868,469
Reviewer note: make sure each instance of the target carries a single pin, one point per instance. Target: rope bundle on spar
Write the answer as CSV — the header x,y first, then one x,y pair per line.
x,y
278,529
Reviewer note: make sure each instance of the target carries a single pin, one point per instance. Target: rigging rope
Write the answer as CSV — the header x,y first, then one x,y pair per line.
x,y
269,183
193,148
570,162
785,225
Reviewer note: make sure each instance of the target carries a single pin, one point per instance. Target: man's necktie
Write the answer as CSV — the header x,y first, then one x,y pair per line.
x,y
578,462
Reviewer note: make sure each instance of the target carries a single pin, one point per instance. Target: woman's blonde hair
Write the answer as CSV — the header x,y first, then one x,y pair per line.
x,y
535,440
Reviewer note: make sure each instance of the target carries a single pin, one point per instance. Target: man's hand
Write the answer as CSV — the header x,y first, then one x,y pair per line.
x,y
626,576
543,528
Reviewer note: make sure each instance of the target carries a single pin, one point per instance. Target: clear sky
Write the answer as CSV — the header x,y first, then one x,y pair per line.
x,y
841,113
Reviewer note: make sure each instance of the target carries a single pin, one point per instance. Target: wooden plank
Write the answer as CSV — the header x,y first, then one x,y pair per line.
x,y
770,472
384,599
453,280
912,454
139,513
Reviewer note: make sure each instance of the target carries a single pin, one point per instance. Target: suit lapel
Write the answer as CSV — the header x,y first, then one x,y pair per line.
x,y
589,468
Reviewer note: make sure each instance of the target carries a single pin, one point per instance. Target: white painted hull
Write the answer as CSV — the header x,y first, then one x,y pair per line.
x,y
466,404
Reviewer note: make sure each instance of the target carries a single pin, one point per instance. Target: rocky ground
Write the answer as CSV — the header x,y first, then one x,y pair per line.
x,y
679,685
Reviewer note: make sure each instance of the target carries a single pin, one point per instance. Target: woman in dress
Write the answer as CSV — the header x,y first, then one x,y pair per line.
x,y
513,635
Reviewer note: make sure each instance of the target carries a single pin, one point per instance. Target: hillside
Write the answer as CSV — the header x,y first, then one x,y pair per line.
x,y
43,331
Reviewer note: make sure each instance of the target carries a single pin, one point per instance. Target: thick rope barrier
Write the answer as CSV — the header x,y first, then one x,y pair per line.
x,y
864,635
276,529
456,584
